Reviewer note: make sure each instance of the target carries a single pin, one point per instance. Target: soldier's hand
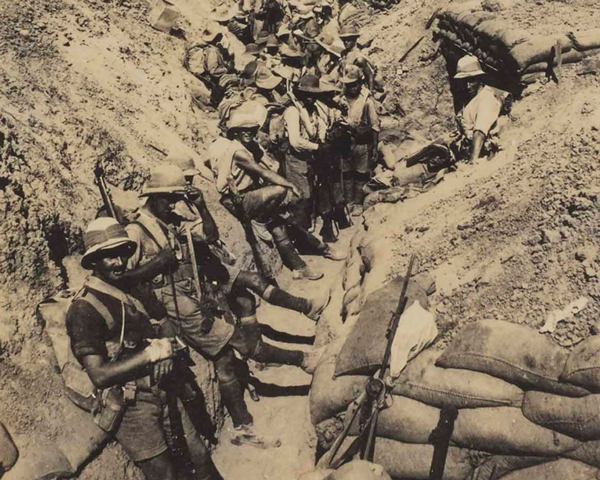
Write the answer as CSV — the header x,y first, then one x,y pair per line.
x,y
161,369
159,349
195,195
167,259
295,190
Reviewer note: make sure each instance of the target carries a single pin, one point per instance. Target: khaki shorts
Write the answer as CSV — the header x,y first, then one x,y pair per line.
x,y
192,320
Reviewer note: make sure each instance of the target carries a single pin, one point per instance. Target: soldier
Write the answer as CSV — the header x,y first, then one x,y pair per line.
x,y
219,71
113,339
364,126
352,55
478,119
238,161
306,133
164,258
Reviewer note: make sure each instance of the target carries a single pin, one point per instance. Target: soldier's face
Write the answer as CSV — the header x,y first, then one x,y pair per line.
x,y
472,86
349,42
246,135
353,89
163,206
113,264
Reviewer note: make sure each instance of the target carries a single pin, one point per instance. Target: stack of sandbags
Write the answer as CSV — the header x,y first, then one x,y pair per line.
x,y
512,52
523,401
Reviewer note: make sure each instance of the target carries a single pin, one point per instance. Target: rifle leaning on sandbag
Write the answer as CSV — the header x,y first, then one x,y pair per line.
x,y
262,268
373,398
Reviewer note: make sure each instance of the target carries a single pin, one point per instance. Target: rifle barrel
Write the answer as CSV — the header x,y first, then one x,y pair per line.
x,y
402,301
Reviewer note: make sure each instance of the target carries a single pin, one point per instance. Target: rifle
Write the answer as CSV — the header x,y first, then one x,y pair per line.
x,y
247,226
372,400
107,200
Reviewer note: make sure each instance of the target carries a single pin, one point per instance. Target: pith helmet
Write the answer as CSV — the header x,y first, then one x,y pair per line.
x,y
311,84
185,162
468,66
265,79
328,43
211,32
352,74
104,234
167,178
348,31
249,114
272,41
263,37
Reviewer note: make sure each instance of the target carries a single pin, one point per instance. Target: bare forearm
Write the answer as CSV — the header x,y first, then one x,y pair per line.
x,y
209,226
477,145
109,374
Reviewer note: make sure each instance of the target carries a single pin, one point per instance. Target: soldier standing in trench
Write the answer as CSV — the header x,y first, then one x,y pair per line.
x,y
163,258
113,339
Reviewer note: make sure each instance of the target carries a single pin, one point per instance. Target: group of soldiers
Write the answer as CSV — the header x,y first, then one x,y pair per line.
x,y
299,140
315,98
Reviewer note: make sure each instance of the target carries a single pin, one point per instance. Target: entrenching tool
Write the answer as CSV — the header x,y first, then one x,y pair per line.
x,y
375,395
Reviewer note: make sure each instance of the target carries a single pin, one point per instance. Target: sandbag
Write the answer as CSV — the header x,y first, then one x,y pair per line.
x,y
506,431
405,460
329,395
537,49
586,40
562,469
449,387
406,420
364,348
79,437
8,450
502,430
39,460
576,417
316,475
571,57
582,367
517,354
498,466
587,452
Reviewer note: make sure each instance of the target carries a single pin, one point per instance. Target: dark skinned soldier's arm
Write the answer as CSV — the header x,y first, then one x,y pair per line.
x,y
209,226
245,162
162,263
106,374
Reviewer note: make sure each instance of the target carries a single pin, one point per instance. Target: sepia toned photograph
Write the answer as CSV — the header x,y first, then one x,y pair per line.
x,y
300,239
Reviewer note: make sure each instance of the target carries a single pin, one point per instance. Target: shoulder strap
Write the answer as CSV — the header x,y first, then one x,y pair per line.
x,y
147,232
99,307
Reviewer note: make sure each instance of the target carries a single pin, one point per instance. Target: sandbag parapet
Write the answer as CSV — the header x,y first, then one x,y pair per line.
x,y
507,52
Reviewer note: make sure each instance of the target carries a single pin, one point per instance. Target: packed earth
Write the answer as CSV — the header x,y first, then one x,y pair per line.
x,y
508,235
